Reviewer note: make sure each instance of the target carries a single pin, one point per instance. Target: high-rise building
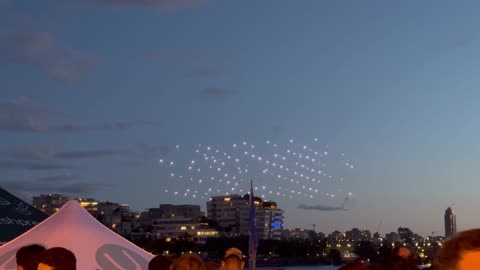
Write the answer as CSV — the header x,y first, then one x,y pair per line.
x,y
232,213
450,222
184,210
89,204
49,203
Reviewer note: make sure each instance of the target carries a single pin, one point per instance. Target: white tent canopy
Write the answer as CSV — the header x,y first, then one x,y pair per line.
x,y
94,245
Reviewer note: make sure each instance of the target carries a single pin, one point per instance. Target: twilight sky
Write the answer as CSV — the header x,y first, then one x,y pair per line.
x,y
97,94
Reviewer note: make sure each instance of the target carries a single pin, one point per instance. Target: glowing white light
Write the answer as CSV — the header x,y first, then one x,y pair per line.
x,y
172,174
325,153
178,146
316,139
291,141
171,163
268,142
234,145
161,161
209,148
237,160
244,143
200,181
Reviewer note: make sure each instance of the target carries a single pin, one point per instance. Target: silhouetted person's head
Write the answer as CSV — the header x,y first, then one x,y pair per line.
x,y
188,262
212,265
460,252
233,259
27,257
159,262
57,258
356,265
399,263
405,252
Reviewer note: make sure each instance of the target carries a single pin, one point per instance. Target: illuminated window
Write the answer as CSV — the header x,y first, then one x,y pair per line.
x,y
183,228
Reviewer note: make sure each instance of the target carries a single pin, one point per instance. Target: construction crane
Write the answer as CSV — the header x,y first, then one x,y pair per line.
x,y
379,226
313,226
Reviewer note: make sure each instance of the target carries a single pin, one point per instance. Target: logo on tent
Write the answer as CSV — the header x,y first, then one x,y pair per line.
x,y
22,208
4,201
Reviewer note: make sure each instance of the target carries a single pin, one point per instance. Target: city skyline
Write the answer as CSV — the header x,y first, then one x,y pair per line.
x,y
51,203
96,94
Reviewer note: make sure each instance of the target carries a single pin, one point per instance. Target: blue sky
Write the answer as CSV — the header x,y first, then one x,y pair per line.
x,y
94,93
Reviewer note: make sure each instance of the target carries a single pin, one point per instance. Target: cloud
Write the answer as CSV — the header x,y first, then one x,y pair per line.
x,y
171,54
50,153
22,116
215,93
132,163
72,188
320,207
91,154
159,4
461,43
124,125
154,149
32,166
42,51
58,178
204,73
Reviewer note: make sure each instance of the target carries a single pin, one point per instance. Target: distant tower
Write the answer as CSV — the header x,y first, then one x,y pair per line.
x,y
450,222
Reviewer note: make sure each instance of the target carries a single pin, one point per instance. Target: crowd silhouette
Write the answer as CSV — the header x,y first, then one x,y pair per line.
x,y
461,252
